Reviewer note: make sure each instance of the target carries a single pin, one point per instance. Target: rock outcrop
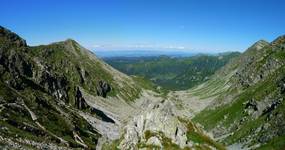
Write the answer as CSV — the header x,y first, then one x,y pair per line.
x,y
54,84
159,120
103,88
80,102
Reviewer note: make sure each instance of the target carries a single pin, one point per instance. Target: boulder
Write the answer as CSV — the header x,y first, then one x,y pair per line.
x,y
154,141
252,104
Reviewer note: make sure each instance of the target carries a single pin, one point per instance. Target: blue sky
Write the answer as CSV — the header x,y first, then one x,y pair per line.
x,y
193,25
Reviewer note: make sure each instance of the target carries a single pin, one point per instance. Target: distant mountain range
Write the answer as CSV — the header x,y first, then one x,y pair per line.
x,y
142,53
173,73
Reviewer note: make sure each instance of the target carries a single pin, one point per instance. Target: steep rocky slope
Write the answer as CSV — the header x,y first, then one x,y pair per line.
x,y
60,95
247,107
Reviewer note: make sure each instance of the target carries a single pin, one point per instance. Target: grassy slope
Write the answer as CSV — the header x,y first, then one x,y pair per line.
x,y
232,115
68,63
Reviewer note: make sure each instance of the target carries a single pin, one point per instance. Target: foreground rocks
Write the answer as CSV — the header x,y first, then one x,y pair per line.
x,y
158,118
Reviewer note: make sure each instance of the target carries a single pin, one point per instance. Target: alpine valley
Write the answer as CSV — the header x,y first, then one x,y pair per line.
x,y
61,96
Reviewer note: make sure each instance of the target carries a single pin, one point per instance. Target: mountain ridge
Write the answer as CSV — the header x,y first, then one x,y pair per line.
x,y
253,95
49,81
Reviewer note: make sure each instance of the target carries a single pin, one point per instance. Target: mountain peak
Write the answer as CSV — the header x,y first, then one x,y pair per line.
x,y
69,40
71,45
256,47
279,40
260,44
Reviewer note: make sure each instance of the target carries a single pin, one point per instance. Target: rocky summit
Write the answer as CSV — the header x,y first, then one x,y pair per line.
x,y
61,96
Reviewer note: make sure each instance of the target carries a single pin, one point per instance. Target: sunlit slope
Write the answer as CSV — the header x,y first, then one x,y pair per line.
x,y
250,110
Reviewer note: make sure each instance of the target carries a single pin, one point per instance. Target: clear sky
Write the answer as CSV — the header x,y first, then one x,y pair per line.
x,y
194,25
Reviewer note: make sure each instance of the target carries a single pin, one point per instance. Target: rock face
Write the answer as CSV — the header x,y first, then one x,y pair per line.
x,y
103,88
55,85
80,102
157,119
281,85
